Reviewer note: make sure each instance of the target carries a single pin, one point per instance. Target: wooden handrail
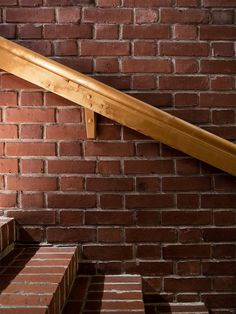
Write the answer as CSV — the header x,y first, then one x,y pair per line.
x,y
117,106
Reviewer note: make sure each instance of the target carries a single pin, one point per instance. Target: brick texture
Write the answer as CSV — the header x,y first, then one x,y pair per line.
x,y
132,204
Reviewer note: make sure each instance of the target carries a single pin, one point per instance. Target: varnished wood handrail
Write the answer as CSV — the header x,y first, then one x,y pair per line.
x,y
118,106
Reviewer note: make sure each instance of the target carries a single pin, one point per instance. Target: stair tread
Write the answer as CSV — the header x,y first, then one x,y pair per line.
x,y
108,293
29,280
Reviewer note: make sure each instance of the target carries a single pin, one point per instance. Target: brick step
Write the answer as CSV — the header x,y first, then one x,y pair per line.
x,y
7,235
106,294
177,308
37,280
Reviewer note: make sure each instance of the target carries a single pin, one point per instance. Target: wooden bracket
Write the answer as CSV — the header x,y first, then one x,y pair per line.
x,y
91,123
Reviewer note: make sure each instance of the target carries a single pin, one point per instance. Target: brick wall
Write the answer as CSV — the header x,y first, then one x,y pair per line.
x,y
133,204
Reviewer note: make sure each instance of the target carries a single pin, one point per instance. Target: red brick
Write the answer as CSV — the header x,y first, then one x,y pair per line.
x,y
8,99
104,31
219,268
70,149
149,268
68,2
56,100
223,116
109,184
68,217
83,65
118,82
148,166
32,166
8,2
219,234
148,217
68,31
8,165
72,183
222,83
10,81
109,235
31,131
31,99
225,184
43,47
29,31
108,3
189,16
107,65
224,284
146,16
65,132
8,131
68,235
224,218
186,184
68,15
223,17
7,200
30,115
29,3
71,201
147,3
148,252
106,252
27,234
145,234
95,15
109,218
108,167
184,49
218,201
66,48
217,32
31,183
217,100
183,100
147,184
185,32
35,200
146,31
148,149
217,300
144,82
41,15
218,66
36,217
145,66
187,284
111,201
219,3
186,66
187,3
149,201
92,48
109,149
186,251
71,166
8,31
144,48
187,166
184,82
30,149
186,217
187,268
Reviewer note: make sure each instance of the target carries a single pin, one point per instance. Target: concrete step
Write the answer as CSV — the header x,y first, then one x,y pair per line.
x,y
37,280
7,235
106,294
